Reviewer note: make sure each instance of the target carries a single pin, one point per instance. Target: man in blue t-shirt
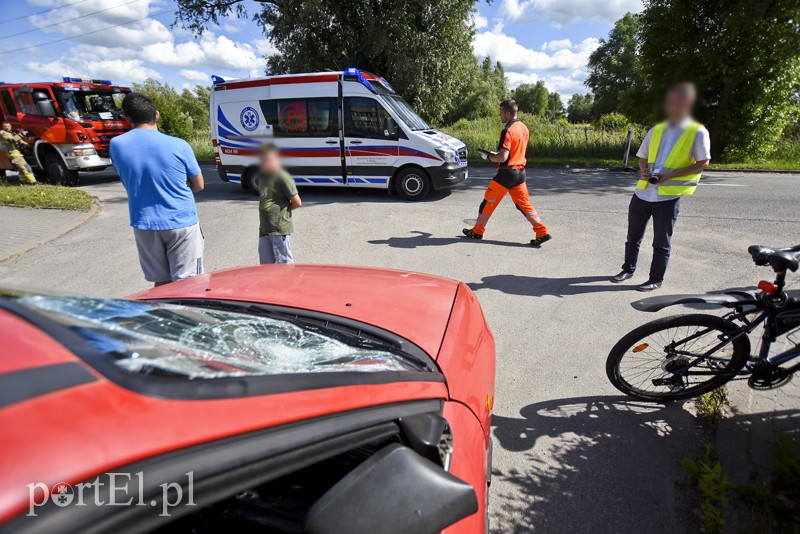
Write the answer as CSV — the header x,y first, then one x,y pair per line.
x,y
159,173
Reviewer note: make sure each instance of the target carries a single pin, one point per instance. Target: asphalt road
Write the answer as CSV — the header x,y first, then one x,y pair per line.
x,y
570,455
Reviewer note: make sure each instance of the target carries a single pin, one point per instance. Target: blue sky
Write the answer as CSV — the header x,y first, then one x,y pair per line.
x,y
534,39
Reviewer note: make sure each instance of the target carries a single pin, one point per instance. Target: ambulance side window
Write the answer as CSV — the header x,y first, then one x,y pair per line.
x,y
302,117
8,102
364,118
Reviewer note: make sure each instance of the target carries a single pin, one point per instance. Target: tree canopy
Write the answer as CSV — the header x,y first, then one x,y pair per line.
x,y
579,108
423,47
614,64
532,98
743,55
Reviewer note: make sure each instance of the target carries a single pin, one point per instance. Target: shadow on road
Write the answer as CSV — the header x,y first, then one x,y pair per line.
x,y
426,239
534,286
601,464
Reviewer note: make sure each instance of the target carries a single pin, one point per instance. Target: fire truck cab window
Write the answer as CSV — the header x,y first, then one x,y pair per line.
x,y
92,105
8,102
26,103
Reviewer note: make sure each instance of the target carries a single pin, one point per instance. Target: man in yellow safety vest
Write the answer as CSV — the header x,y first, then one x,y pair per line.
x,y
672,158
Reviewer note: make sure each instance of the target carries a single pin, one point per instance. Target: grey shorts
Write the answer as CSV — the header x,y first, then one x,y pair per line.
x,y
169,255
275,249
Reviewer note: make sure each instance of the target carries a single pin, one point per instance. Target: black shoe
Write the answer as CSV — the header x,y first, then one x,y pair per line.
x,y
649,286
539,240
470,234
622,276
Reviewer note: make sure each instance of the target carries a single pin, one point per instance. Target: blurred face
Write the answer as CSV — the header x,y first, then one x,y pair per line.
x,y
7,126
505,117
270,162
678,105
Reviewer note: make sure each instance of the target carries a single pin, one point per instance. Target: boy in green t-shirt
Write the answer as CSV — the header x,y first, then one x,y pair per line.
x,y
277,199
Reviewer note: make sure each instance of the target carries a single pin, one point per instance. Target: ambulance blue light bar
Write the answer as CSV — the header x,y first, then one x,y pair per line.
x,y
217,79
86,80
353,74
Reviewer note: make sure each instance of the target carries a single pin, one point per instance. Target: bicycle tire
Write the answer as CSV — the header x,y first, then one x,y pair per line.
x,y
741,351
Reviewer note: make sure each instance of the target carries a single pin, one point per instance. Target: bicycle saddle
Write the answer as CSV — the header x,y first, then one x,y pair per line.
x,y
781,259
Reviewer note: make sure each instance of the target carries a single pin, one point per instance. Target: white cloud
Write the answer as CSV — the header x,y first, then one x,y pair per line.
x,y
558,44
211,51
129,70
479,21
564,12
194,75
516,57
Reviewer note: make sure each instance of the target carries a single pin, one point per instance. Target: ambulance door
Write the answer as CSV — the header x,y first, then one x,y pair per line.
x,y
371,156
307,132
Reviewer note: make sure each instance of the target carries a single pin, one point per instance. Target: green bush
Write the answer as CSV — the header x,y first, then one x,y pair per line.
x,y
555,141
612,121
175,119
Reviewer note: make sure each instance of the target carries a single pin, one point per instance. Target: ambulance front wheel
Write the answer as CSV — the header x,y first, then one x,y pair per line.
x,y
413,183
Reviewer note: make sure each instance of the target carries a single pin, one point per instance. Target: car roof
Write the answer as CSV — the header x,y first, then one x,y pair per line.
x,y
412,305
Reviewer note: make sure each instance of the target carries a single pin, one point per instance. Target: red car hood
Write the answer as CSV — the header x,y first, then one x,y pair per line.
x,y
412,305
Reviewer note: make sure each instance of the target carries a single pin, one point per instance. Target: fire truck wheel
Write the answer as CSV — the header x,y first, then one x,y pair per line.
x,y
58,173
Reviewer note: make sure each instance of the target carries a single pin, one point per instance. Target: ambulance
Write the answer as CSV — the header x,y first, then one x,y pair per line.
x,y
334,129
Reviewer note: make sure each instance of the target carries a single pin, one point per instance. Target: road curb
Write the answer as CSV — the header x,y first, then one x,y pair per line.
x,y
96,208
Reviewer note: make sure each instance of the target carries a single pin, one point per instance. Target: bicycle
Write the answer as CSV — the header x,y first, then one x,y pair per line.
x,y
684,356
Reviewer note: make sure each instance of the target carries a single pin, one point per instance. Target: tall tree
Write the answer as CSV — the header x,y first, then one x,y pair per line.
x,y
532,98
744,56
555,107
613,66
423,47
486,87
579,108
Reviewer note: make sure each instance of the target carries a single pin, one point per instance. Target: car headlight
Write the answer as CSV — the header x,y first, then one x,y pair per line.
x,y
449,156
84,152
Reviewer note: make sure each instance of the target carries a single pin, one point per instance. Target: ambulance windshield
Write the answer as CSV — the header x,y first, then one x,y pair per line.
x,y
405,112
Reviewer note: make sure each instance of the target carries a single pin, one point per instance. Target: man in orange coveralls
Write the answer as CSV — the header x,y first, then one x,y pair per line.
x,y
510,177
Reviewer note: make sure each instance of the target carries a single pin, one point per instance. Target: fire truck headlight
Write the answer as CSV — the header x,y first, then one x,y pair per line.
x,y
84,152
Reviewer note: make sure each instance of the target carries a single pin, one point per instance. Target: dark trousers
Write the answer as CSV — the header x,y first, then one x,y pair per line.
x,y
664,215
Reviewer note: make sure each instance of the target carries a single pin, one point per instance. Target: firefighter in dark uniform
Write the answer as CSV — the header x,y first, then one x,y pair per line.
x,y
13,143
510,177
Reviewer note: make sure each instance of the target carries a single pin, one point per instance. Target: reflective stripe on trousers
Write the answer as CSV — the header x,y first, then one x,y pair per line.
x,y
521,198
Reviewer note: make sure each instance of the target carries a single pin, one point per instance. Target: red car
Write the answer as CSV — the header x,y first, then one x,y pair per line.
x,y
277,399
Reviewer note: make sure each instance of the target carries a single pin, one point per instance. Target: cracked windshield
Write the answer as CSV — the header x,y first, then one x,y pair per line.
x,y
191,342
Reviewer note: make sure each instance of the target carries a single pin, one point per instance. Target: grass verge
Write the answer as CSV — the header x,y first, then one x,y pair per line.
x,y
45,196
769,503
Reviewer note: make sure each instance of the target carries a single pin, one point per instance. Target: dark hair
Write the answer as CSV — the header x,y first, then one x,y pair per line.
x,y
139,109
509,106
269,149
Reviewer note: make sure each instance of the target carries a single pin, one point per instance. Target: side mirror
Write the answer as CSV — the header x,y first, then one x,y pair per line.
x,y
396,491
390,128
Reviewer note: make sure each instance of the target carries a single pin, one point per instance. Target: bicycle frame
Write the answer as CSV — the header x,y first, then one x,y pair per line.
x,y
774,304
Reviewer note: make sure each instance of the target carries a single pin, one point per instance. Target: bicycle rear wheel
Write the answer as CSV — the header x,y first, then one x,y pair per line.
x,y
677,357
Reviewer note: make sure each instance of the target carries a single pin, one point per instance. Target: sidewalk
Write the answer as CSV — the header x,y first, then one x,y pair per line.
x,y
22,229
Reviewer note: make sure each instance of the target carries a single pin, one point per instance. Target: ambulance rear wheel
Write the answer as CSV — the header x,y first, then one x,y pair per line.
x,y
250,181
413,184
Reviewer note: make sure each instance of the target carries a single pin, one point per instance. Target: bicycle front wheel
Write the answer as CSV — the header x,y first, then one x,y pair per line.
x,y
677,357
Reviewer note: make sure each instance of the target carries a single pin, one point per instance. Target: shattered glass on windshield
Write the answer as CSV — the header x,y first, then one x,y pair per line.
x,y
194,342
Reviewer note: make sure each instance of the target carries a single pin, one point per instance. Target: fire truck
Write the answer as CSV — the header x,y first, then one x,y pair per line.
x,y
70,124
